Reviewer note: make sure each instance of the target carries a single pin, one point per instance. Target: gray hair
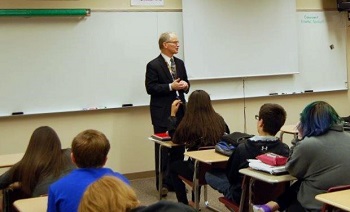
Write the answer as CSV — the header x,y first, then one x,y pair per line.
x,y
164,37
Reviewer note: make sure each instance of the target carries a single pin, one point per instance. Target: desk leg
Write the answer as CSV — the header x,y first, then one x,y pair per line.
x,y
251,182
160,175
295,136
196,183
245,191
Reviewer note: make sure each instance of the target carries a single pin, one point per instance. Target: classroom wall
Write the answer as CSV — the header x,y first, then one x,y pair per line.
x,y
128,128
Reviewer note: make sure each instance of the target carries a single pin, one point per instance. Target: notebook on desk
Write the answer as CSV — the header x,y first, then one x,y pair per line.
x,y
275,170
161,136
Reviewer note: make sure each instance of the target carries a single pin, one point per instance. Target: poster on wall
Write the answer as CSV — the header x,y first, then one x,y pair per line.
x,y
147,2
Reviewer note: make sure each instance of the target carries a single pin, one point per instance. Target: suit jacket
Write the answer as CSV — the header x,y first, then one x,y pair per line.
x,y
157,82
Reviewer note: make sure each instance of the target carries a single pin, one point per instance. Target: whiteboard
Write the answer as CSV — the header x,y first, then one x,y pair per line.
x,y
235,38
321,68
68,64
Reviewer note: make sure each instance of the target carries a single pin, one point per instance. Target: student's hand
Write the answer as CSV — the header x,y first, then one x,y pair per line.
x,y
175,107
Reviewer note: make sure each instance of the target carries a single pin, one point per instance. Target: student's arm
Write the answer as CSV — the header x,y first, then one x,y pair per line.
x,y
298,162
172,120
51,203
5,180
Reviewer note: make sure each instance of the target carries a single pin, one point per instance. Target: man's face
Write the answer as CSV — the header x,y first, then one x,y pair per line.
x,y
172,45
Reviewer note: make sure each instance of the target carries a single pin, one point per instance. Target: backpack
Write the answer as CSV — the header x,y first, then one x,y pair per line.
x,y
229,142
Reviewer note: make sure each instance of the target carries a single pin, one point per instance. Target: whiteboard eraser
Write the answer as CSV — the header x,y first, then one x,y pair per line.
x,y
127,105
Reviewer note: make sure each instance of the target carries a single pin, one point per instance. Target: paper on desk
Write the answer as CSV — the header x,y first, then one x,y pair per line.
x,y
258,165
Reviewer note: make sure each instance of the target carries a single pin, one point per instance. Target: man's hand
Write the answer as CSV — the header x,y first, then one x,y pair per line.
x,y
184,85
179,85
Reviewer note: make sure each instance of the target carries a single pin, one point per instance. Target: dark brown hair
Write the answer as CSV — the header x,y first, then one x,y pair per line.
x,y
201,124
42,158
90,149
273,116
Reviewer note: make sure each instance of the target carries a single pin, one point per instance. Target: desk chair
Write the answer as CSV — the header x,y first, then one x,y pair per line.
x,y
330,208
233,206
257,194
203,168
11,194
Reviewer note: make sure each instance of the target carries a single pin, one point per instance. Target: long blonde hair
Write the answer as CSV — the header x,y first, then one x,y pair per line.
x,y
108,194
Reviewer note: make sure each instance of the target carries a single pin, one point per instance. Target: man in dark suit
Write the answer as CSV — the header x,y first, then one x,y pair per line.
x,y
166,80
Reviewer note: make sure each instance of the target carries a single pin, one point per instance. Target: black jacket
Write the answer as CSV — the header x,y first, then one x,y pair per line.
x,y
249,149
157,82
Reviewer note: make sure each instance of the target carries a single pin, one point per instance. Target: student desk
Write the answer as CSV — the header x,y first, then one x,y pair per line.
x,y
162,144
289,129
10,159
36,204
266,177
204,156
339,199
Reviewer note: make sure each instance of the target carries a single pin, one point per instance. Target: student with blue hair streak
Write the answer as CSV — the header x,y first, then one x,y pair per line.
x,y
319,160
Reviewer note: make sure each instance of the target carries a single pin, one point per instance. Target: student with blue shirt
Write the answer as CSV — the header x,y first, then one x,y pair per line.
x,y
89,153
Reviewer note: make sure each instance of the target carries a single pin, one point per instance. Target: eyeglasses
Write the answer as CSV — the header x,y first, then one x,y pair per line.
x,y
257,117
174,42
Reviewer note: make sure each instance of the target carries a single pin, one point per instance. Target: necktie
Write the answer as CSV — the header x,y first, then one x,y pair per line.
x,y
173,68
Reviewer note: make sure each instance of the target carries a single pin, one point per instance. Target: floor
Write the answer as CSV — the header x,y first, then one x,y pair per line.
x,y
147,194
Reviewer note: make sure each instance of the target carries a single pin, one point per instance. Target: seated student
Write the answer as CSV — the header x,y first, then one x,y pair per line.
x,y
43,163
110,194
89,153
320,160
271,119
201,126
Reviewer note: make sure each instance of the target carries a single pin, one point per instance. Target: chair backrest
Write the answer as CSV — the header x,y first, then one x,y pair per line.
x,y
10,195
258,195
206,147
234,206
329,208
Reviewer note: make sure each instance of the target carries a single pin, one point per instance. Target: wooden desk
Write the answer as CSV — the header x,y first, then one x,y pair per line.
x,y
162,144
37,204
339,199
289,129
204,156
259,175
10,159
